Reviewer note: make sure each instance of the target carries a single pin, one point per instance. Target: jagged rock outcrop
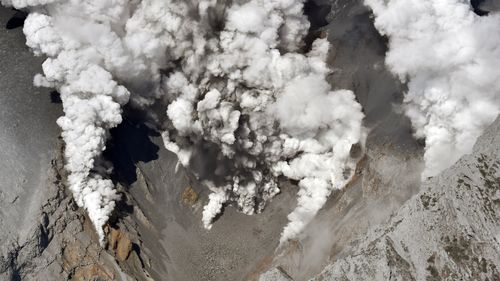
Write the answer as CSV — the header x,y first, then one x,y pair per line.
x,y
449,231
61,244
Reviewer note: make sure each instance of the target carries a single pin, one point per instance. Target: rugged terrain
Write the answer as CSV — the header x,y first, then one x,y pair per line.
x,y
450,229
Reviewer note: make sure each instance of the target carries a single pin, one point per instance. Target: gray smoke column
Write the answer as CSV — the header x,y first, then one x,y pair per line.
x,y
243,103
449,56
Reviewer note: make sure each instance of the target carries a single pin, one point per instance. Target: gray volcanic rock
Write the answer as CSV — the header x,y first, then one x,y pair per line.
x,y
275,274
157,230
60,244
162,211
488,5
28,133
389,174
238,247
449,231
385,181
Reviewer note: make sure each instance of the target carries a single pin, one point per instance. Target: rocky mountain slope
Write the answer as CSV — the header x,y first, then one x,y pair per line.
x,y
449,231
43,235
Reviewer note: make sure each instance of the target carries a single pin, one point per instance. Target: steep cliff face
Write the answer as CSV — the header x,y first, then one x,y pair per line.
x,y
449,231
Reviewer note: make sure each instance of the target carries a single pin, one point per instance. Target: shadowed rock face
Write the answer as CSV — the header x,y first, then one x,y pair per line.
x,y
483,7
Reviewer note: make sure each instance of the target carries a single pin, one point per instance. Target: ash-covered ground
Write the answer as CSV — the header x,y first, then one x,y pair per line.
x,y
28,133
156,231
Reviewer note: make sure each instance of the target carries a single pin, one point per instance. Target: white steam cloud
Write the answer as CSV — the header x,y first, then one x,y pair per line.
x,y
450,57
244,103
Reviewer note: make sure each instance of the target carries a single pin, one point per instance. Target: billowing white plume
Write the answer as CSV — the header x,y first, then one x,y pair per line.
x,y
244,104
450,57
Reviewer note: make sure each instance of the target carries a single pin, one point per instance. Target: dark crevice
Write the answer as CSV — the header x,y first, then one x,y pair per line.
x,y
122,209
476,6
15,276
130,144
55,97
17,20
317,16
137,249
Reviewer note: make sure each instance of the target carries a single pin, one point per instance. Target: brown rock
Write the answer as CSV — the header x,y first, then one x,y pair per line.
x,y
90,273
123,248
189,196
113,237
120,243
71,257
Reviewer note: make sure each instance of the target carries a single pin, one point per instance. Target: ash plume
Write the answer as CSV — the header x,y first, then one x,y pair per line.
x,y
241,103
449,56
